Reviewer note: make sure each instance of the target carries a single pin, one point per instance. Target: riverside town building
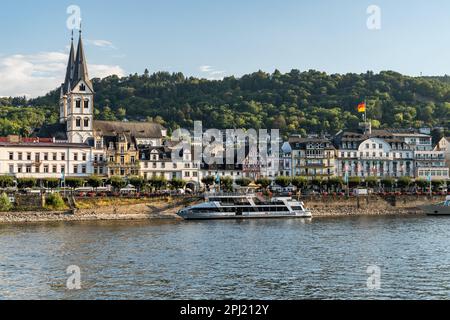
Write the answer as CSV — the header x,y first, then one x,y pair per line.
x,y
80,146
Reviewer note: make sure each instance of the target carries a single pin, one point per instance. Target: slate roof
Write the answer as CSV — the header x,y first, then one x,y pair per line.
x,y
130,129
57,131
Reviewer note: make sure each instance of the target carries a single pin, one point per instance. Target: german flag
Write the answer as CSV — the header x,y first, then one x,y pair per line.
x,y
362,107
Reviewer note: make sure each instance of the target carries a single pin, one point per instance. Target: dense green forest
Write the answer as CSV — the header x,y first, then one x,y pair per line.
x,y
295,102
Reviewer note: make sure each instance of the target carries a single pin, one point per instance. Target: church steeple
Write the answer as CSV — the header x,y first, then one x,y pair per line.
x,y
79,101
70,68
80,68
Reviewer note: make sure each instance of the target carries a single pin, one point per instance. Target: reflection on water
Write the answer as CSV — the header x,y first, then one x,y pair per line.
x,y
264,259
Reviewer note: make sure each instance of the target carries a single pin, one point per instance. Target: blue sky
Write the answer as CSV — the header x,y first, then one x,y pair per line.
x,y
212,39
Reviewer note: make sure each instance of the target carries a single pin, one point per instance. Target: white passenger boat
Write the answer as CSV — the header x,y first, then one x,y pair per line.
x,y
244,206
439,209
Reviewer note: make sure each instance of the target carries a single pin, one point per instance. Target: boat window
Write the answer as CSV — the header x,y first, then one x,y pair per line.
x,y
205,210
297,208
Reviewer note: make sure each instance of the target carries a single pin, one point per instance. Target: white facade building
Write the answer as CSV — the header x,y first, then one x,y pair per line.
x,y
377,154
444,145
45,159
158,162
431,164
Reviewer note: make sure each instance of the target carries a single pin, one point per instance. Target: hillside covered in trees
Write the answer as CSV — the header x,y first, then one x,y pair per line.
x,y
295,102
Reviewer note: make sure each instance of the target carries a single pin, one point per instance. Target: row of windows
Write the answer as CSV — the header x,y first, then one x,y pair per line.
x,y
122,172
430,156
223,174
375,155
434,173
45,156
98,158
162,165
45,169
86,123
98,170
122,159
78,104
314,171
354,145
187,174
158,174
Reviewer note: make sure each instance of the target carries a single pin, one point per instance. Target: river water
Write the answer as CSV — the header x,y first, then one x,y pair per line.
x,y
265,259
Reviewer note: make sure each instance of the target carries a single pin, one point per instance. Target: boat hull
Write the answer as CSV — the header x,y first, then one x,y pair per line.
x,y
229,216
435,210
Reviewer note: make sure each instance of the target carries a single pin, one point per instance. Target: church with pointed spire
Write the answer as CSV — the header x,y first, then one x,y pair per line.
x,y
80,146
77,97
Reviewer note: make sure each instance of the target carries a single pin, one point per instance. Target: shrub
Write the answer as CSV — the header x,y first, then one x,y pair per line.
x,y
226,183
137,182
371,182
24,183
74,182
422,183
157,183
5,203
117,182
336,182
6,182
283,181
209,180
55,201
243,182
437,184
300,182
354,182
51,183
264,182
177,183
404,182
94,181
388,182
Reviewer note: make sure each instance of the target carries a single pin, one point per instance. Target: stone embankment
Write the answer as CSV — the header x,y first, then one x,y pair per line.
x,y
143,211
330,206
327,206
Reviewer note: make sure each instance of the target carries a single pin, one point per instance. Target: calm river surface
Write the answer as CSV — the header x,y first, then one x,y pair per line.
x,y
276,259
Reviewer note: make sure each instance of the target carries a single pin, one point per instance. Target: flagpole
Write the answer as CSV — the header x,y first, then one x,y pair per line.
x,y
365,111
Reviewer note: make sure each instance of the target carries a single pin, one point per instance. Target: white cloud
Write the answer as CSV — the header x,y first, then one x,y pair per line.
x,y
212,73
102,70
36,74
102,43
205,68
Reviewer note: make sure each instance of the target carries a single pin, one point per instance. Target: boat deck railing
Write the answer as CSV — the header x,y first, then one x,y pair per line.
x,y
228,194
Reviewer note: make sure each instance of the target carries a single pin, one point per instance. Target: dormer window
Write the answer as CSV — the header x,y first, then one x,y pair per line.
x,y
82,87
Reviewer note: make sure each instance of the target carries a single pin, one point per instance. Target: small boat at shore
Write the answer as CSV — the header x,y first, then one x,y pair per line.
x,y
244,206
439,209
